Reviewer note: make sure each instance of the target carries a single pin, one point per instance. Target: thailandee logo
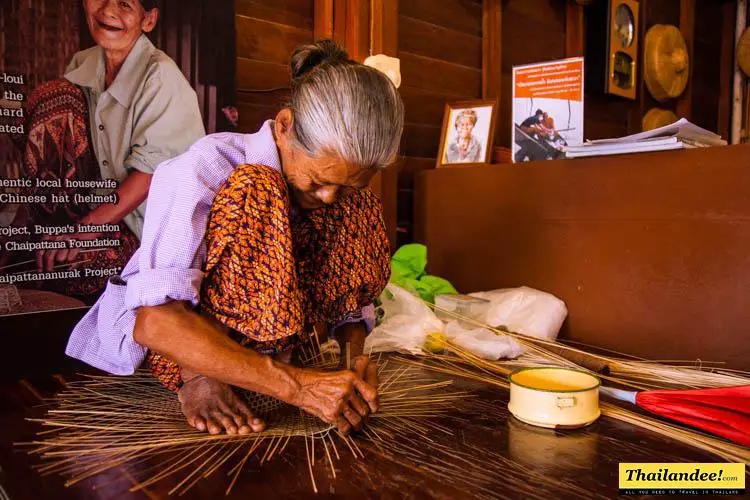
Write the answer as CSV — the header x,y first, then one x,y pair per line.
x,y
682,479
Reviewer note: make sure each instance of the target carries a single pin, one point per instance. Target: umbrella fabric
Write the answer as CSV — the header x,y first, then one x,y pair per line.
x,y
723,411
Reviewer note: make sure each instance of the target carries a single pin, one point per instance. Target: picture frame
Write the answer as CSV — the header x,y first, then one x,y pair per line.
x,y
477,119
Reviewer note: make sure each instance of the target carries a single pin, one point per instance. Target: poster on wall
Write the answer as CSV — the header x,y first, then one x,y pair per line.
x,y
547,109
94,95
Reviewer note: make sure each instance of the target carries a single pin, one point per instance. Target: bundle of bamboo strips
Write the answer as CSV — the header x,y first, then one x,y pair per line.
x,y
635,374
103,422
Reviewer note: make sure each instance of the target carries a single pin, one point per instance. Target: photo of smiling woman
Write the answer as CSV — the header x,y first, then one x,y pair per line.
x,y
468,130
122,108
465,148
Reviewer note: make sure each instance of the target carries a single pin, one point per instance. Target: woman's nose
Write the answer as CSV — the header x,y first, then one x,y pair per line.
x,y
109,8
327,194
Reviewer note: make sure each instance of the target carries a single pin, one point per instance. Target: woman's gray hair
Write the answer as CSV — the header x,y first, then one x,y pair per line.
x,y
344,108
467,113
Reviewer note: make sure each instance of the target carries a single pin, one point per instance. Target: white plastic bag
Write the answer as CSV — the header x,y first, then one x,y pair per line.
x,y
482,342
525,310
407,322
469,306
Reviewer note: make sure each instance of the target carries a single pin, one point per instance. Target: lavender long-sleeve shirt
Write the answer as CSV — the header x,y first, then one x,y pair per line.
x,y
168,265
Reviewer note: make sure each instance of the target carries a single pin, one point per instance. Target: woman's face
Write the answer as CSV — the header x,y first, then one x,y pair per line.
x,y
465,126
115,25
315,182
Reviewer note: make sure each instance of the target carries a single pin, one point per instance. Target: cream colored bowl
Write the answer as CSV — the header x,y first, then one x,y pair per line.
x,y
554,397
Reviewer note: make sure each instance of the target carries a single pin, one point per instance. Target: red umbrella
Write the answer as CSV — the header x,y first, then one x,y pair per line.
x,y
724,411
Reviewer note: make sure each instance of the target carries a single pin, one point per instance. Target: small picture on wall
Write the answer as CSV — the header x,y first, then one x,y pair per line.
x,y
468,133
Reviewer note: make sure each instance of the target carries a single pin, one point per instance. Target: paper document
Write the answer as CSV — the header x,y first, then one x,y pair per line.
x,y
614,146
625,149
680,128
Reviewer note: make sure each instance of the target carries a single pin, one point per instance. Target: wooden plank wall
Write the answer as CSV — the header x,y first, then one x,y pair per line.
x,y
655,12
544,22
706,26
707,63
533,31
267,33
440,47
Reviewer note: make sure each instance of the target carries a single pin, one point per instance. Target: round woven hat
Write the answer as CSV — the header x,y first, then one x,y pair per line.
x,y
657,117
666,62
743,52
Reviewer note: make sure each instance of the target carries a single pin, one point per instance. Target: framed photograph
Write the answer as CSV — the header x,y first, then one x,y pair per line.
x,y
468,133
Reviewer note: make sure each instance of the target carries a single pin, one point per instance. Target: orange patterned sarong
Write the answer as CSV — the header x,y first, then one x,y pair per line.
x,y
272,272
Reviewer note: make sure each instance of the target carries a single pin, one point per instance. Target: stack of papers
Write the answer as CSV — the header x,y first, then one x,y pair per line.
x,y
680,135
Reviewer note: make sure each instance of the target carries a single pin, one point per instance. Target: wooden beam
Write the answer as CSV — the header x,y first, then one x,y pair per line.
x,y
323,19
687,28
389,197
728,11
384,40
384,26
491,48
357,37
635,117
574,29
339,21
737,86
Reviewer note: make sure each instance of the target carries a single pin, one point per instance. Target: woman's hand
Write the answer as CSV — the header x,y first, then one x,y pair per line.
x,y
47,260
367,370
342,398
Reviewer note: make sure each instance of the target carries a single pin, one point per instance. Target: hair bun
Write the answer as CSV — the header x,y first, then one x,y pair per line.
x,y
307,57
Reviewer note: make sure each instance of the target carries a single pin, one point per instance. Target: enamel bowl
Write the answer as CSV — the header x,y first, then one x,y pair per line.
x,y
554,397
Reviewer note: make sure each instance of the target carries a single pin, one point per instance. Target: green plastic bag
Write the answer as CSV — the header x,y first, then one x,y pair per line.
x,y
408,271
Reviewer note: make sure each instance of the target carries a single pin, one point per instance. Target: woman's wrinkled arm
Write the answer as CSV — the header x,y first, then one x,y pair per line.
x,y
199,345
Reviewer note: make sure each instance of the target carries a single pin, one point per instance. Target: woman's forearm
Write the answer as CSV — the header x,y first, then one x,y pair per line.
x,y
198,345
130,194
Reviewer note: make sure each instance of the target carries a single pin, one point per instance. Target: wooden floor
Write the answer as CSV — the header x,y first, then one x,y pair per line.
x,y
586,458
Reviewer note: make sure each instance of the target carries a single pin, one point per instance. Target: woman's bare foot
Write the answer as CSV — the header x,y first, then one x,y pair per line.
x,y
212,405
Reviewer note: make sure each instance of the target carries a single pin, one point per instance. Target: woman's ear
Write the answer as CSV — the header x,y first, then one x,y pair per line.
x,y
284,122
149,21
283,128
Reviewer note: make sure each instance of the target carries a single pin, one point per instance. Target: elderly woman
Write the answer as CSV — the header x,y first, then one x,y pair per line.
x,y
123,108
269,235
466,148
